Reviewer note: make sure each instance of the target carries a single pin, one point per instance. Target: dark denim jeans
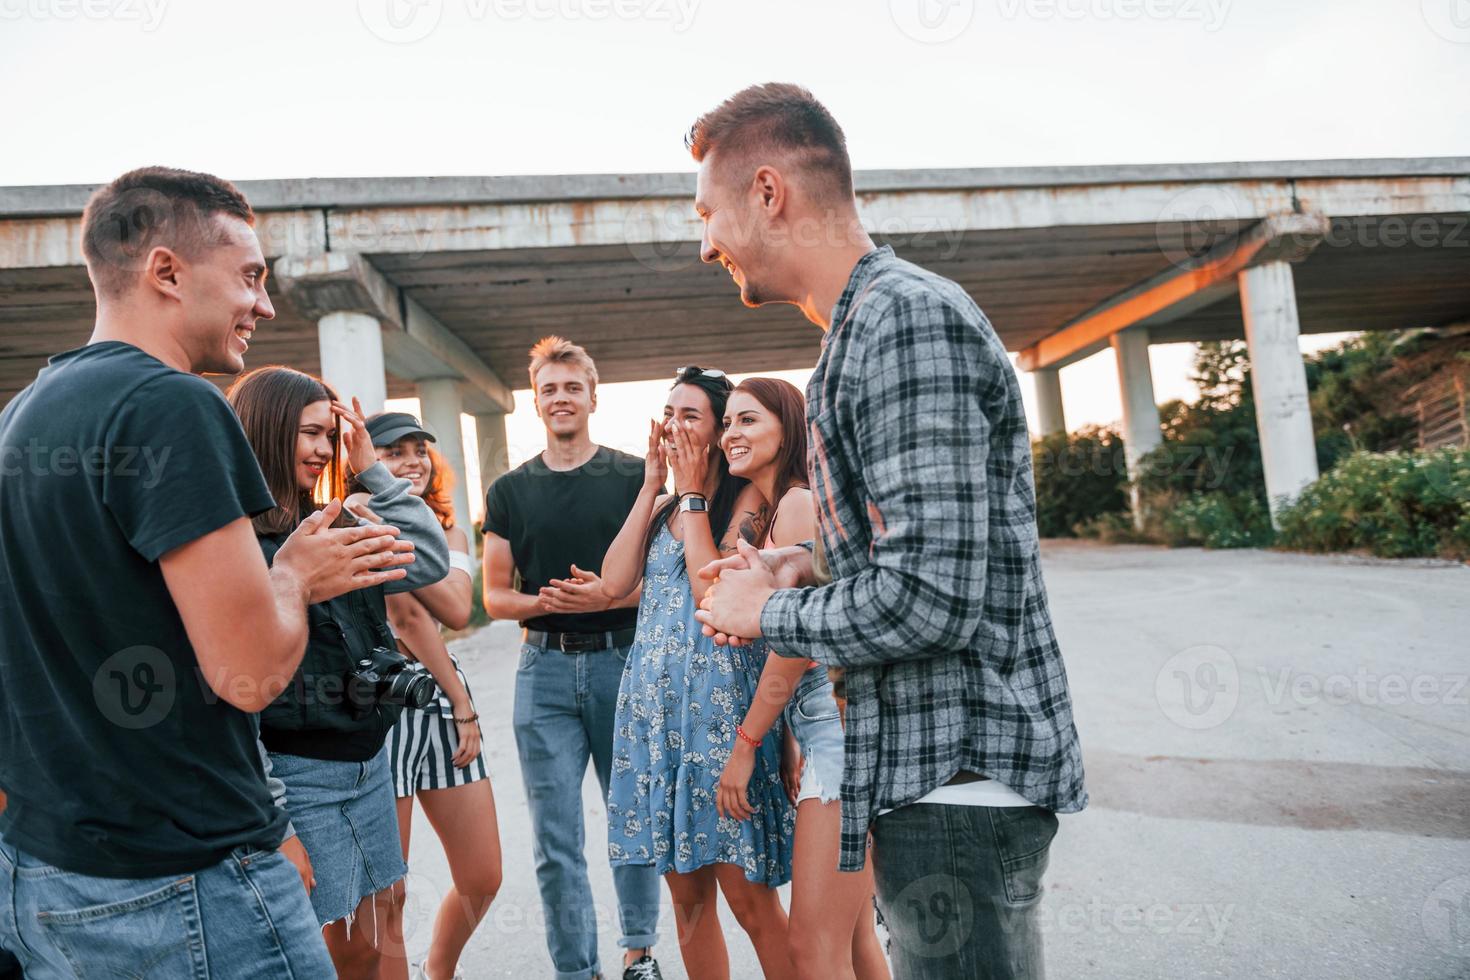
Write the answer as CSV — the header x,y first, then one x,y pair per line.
x,y
958,888
564,710
246,917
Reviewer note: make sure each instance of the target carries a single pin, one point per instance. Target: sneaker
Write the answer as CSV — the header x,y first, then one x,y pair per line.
x,y
643,968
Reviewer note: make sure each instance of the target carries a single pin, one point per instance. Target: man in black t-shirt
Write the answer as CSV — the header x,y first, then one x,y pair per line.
x,y
551,520
141,625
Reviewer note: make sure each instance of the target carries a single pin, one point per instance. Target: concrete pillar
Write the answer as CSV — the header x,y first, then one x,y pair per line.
x,y
1142,432
494,449
1279,380
441,405
1050,417
352,358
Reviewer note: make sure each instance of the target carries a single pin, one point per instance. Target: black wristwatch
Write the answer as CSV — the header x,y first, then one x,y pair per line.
x,y
693,503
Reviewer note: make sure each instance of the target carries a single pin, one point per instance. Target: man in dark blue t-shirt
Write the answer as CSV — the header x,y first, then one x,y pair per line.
x,y
141,625
551,520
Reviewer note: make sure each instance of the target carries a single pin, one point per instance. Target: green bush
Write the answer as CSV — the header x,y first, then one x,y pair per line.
x,y
1394,505
478,616
1214,520
1211,445
1113,527
1079,475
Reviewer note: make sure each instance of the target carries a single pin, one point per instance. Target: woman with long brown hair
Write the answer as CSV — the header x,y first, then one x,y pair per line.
x,y
325,733
434,751
681,698
832,932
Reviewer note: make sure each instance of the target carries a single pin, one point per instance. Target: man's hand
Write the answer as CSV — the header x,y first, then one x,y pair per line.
x,y
582,593
330,561
733,605
295,852
791,568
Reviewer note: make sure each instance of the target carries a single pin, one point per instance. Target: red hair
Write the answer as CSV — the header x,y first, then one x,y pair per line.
x,y
437,494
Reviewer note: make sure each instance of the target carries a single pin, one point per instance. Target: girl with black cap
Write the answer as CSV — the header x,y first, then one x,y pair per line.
x,y
434,751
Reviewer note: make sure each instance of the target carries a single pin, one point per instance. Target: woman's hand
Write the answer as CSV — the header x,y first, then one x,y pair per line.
x,y
656,463
355,438
792,763
689,461
295,852
469,735
730,800
357,504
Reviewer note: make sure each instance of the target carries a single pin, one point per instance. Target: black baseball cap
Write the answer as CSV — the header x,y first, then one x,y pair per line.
x,y
386,428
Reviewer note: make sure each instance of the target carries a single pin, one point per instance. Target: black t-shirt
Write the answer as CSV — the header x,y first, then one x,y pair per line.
x,y
554,520
118,759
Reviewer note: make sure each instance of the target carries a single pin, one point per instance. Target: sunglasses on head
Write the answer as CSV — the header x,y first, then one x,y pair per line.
x,y
692,371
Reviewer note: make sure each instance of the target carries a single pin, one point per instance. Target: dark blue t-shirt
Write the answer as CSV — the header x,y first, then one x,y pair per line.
x,y
555,519
118,759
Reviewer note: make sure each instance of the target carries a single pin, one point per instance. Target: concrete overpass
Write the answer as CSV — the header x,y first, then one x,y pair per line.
x,y
436,287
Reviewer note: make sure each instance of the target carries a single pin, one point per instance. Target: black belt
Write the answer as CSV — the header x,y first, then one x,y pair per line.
x,y
581,642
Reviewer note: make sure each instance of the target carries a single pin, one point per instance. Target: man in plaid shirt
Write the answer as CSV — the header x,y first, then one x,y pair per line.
x,y
960,746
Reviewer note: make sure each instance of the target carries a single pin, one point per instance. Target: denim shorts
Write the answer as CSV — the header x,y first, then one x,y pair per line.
x,y
812,715
347,819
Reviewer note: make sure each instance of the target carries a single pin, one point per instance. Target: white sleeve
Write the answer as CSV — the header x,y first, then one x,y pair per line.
x,y
462,561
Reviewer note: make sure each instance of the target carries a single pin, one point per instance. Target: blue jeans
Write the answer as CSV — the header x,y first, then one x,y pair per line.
x,y
564,710
958,887
246,917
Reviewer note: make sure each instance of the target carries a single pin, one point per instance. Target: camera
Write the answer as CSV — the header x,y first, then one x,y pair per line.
x,y
385,677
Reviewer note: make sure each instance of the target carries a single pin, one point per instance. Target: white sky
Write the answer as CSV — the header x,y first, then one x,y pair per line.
x,y
274,89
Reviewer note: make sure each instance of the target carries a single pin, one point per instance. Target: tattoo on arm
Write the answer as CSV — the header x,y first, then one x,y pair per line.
x,y
750,526
754,525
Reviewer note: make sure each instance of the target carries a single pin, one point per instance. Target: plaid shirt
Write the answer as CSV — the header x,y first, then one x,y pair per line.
x,y
921,470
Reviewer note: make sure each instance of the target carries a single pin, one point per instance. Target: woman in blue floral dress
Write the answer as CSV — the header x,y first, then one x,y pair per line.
x,y
682,699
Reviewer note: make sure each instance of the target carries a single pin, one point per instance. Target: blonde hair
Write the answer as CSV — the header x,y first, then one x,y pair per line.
x,y
557,350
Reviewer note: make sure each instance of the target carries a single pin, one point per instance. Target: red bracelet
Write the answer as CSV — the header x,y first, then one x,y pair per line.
x,y
753,742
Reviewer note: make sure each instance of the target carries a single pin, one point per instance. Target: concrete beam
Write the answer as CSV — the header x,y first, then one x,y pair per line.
x,y
1050,416
416,345
352,358
340,192
494,449
1279,382
940,209
41,243
441,405
1181,290
1142,431
483,389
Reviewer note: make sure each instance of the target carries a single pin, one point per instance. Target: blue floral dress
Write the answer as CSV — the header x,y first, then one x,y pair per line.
x,y
680,700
